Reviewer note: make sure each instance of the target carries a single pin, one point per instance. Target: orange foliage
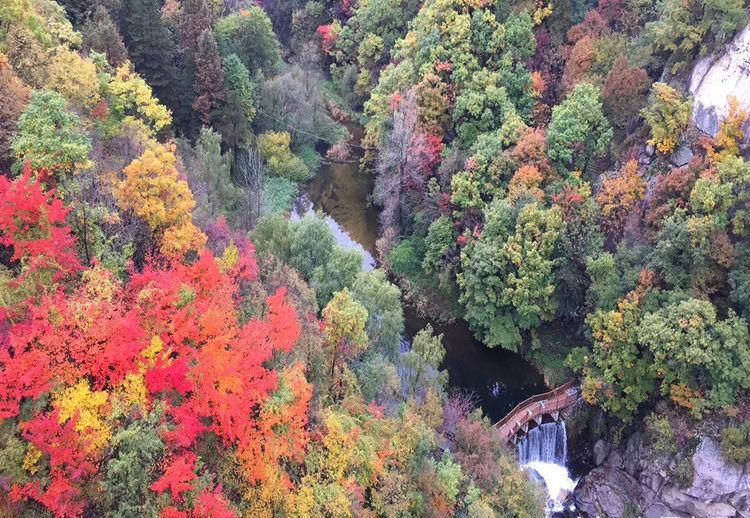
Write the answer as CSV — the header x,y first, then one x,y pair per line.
x,y
730,134
527,180
618,196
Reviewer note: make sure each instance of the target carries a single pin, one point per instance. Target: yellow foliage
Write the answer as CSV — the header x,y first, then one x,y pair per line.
x,y
730,133
132,390
74,78
229,258
90,408
542,12
135,94
152,351
685,396
179,239
30,460
668,115
154,191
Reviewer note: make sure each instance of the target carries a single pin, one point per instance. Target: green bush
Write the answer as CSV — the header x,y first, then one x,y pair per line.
x,y
735,443
684,472
659,432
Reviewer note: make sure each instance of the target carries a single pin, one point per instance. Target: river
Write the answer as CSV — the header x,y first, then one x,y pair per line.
x,y
497,378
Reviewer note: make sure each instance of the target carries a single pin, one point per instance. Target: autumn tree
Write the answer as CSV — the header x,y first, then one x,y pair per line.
x,y
134,97
153,190
701,361
618,374
618,196
27,56
75,78
730,134
274,149
344,319
624,92
668,115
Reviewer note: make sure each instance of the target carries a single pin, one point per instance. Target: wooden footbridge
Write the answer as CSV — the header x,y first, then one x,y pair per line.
x,y
536,407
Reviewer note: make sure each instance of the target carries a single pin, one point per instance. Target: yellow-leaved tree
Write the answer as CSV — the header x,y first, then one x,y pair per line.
x,y
153,189
133,94
74,77
89,409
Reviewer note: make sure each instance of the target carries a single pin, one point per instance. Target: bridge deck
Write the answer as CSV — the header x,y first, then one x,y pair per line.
x,y
553,401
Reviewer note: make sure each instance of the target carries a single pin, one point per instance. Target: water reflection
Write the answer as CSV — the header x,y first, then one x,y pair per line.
x,y
303,207
499,378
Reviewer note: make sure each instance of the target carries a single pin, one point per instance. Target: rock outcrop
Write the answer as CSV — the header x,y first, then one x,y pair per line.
x,y
715,78
631,482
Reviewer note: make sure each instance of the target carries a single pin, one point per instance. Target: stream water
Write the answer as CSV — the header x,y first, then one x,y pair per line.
x,y
497,378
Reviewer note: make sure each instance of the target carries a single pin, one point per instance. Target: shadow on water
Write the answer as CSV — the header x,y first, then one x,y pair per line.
x,y
498,378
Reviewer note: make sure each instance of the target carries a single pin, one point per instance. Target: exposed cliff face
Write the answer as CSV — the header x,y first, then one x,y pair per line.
x,y
631,482
716,78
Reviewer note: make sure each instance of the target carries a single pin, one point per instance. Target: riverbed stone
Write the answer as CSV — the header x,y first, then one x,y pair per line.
x,y
601,450
639,482
607,490
676,500
660,510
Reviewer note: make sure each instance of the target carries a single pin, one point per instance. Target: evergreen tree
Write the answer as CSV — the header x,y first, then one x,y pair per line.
x,y
152,49
102,35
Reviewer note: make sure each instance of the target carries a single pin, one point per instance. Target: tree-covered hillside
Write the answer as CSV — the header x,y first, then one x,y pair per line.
x,y
173,344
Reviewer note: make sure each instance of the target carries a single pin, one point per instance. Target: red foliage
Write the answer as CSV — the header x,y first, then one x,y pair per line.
x,y
569,200
32,221
624,92
613,11
531,149
211,504
177,477
100,111
671,191
174,324
328,37
69,461
593,25
22,375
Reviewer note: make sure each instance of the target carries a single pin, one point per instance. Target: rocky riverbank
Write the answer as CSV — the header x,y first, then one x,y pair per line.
x,y
630,481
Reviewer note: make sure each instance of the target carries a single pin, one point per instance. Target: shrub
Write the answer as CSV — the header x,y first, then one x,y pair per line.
x,y
660,434
735,443
273,147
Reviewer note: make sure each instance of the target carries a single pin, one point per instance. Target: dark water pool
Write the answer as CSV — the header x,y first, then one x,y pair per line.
x,y
499,379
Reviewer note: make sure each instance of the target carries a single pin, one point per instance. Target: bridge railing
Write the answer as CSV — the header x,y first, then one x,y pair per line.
x,y
546,396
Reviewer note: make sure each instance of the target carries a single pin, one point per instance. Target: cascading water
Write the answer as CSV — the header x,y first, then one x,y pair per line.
x,y
544,451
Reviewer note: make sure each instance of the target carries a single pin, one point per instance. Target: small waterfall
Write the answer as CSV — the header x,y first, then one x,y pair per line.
x,y
544,451
547,443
